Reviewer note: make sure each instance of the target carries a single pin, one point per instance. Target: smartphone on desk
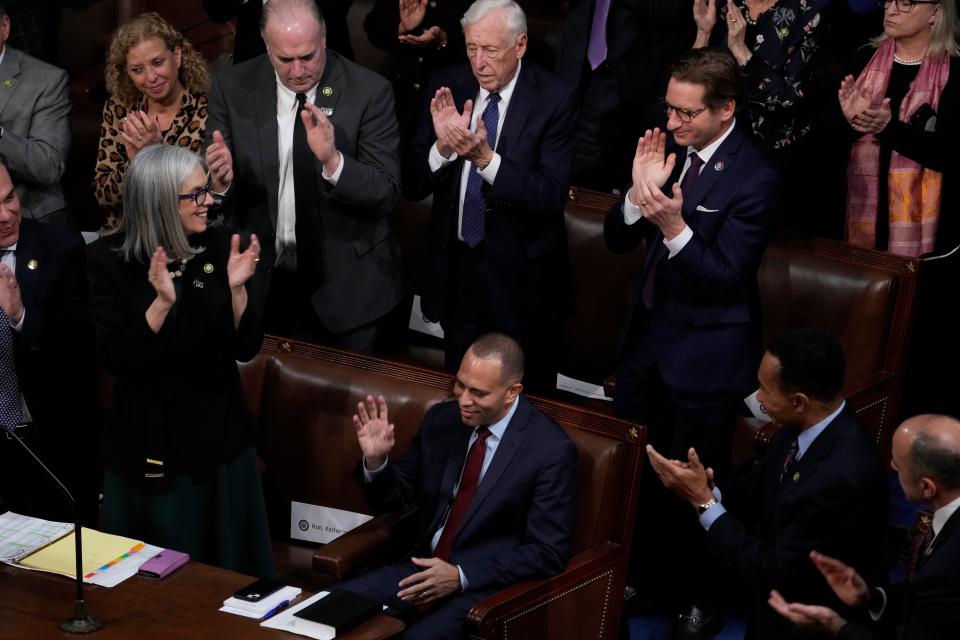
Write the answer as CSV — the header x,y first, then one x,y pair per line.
x,y
258,590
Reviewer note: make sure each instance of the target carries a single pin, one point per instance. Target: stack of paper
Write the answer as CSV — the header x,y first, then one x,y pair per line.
x,y
107,559
272,603
22,535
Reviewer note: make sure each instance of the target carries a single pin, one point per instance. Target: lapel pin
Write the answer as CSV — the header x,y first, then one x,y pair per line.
x,y
327,91
197,284
32,265
796,476
208,268
327,111
8,83
718,166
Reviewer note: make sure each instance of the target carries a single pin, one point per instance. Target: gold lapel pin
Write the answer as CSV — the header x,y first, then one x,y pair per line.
x,y
32,265
208,268
796,476
327,91
8,83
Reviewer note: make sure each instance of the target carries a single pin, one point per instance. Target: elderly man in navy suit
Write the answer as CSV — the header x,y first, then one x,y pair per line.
x,y
926,457
495,149
494,479
692,337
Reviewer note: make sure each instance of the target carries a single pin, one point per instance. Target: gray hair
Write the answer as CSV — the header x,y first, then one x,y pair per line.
x,y
934,458
944,32
151,211
515,17
287,11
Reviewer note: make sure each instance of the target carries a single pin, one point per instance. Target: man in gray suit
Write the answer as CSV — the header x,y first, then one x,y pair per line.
x,y
34,128
304,146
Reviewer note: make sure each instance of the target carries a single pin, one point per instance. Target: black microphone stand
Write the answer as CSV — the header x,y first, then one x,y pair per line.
x,y
80,622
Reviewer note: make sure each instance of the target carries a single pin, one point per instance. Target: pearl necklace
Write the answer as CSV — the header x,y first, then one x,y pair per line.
x,y
897,58
180,269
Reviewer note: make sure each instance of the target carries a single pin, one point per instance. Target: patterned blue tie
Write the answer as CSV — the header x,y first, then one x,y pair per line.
x,y
11,413
474,205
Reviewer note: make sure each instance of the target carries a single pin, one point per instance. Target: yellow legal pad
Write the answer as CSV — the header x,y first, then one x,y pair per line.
x,y
99,550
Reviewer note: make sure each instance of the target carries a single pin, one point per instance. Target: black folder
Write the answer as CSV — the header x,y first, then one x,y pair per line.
x,y
341,610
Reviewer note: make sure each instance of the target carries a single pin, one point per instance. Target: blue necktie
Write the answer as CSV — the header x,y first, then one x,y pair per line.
x,y
474,205
11,413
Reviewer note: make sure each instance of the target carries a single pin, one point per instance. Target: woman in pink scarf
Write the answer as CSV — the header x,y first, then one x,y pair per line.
x,y
901,182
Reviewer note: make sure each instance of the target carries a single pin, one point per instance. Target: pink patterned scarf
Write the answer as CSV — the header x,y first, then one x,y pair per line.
x,y
913,192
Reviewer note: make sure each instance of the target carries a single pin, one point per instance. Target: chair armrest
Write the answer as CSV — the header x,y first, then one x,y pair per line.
x,y
582,601
370,544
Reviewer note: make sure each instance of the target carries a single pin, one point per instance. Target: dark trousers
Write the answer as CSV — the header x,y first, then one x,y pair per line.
x,y
668,538
290,313
444,620
469,314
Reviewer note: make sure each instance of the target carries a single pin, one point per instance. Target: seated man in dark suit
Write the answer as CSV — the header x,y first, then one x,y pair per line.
x,y
47,379
495,149
926,456
494,479
820,486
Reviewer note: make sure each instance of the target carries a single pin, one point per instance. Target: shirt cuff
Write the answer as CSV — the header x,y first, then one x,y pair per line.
x,y
631,212
876,615
489,173
437,161
463,579
368,474
708,517
17,327
679,242
336,174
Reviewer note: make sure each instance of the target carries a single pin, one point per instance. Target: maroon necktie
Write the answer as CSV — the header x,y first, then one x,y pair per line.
x,y
468,487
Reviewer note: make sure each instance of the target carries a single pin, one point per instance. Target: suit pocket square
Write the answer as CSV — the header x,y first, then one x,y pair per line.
x,y
700,207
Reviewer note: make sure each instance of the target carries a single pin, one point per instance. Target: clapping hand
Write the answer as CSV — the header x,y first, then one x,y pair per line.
x,y
650,172
160,277
241,265
411,15
374,431
433,35
705,15
689,480
736,33
818,618
219,163
321,137
858,108
10,299
470,145
139,130
443,110
843,579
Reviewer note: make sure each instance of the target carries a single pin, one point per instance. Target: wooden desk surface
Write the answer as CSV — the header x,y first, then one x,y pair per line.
x,y
183,605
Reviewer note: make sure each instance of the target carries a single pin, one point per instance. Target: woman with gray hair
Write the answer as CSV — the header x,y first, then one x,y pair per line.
x,y
170,304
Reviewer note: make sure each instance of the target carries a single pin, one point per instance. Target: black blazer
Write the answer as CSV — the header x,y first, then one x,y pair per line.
x,y
835,502
526,242
704,328
177,394
928,604
519,525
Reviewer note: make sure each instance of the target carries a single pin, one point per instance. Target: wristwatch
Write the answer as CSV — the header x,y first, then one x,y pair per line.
x,y
701,508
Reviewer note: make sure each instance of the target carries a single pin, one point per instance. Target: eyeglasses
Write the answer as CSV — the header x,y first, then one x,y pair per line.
x,y
683,115
197,195
906,6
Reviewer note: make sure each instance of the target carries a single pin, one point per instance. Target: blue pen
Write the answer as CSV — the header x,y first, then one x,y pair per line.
x,y
277,609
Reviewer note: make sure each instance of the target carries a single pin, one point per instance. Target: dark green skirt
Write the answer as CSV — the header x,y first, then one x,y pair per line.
x,y
218,517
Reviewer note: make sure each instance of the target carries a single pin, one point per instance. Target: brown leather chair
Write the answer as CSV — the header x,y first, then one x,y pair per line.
x,y
305,396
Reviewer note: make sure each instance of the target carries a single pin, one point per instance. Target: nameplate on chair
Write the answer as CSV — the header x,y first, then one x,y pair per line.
x,y
322,524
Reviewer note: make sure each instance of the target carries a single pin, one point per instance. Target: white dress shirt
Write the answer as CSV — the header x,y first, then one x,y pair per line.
x,y
489,174
632,213
287,113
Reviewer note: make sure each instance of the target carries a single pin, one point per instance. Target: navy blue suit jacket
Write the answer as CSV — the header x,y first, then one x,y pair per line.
x,y
834,501
519,524
703,331
928,604
526,243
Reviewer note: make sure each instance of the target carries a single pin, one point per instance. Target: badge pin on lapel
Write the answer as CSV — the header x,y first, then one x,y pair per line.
x,y
718,165
208,268
8,83
327,111
32,265
327,91
796,476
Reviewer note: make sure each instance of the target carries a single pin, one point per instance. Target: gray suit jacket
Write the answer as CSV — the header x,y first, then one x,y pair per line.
x,y
35,115
361,263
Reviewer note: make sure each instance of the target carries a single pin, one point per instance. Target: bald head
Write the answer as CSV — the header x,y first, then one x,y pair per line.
x,y
933,442
296,41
